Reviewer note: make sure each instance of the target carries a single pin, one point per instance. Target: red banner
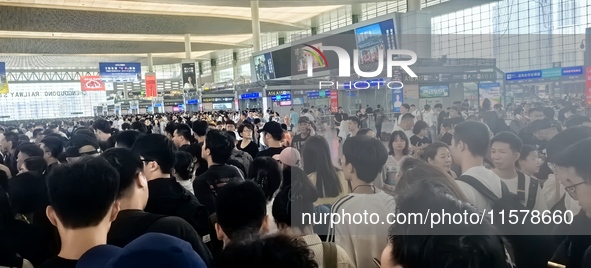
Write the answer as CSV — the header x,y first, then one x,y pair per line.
x,y
92,83
334,101
588,86
151,88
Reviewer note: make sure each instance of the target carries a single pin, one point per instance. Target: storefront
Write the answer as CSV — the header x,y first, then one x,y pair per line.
x,y
218,103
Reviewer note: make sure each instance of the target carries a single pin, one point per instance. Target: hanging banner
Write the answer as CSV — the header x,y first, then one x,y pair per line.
x,y
334,101
189,78
3,80
588,87
92,83
151,88
490,91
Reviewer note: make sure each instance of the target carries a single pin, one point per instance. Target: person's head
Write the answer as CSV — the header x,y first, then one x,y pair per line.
x,y
438,107
157,154
219,125
230,125
217,148
570,111
132,182
519,111
407,121
405,108
139,126
304,125
471,139
83,195
272,133
535,114
271,251
505,150
574,163
241,212
52,147
200,128
354,124
341,110
317,159
293,202
26,151
183,167
544,129
181,135
363,158
366,132
548,113
126,139
34,164
577,120
420,128
102,129
398,143
464,245
125,126
266,173
438,154
427,107
9,142
529,160
414,171
245,131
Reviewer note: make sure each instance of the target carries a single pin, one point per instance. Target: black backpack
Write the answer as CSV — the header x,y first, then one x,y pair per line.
x,y
528,246
196,215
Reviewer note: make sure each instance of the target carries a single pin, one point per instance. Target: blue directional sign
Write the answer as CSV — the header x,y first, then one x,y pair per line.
x,y
251,95
282,97
120,71
524,75
576,70
194,101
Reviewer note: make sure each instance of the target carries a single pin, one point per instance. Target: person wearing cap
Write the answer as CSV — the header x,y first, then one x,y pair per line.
x,y
272,134
148,250
82,205
305,130
289,157
82,145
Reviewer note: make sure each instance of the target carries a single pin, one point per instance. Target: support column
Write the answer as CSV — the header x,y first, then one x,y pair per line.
x,y
187,46
150,63
256,25
413,5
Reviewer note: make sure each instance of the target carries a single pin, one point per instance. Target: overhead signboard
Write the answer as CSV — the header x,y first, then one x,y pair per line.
x,y
546,75
151,86
282,97
451,78
217,99
3,80
92,83
251,95
271,93
319,94
120,71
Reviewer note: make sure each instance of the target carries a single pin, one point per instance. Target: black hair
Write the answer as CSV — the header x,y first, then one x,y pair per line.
x,y
266,173
438,105
83,193
427,107
54,145
473,134
356,120
271,251
402,136
411,243
137,126
446,123
230,122
102,125
576,120
30,150
405,105
36,164
127,164
295,199
157,148
256,121
367,156
407,116
526,149
431,151
36,132
125,126
28,192
457,120
200,128
535,109
284,126
518,110
510,138
241,209
316,157
564,139
184,165
549,112
3,180
364,131
126,139
220,146
12,137
243,126
419,125
184,131
577,156
414,171
23,138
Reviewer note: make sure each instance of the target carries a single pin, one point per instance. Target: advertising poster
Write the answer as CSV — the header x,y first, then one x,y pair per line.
x,y
151,86
189,75
120,71
263,66
334,101
92,83
373,38
490,91
411,93
397,99
436,91
302,54
3,80
588,86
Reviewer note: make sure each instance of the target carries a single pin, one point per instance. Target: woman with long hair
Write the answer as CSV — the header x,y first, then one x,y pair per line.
x,y
329,181
438,154
266,173
398,151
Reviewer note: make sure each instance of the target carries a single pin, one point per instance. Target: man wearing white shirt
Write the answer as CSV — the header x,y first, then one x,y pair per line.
x,y
405,124
469,147
504,151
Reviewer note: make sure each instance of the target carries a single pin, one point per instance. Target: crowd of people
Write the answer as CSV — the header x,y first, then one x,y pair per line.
x,y
247,189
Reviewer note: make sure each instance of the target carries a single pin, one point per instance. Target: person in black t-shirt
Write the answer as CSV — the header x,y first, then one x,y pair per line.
x,y
82,205
132,221
246,144
272,136
420,140
217,150
305,131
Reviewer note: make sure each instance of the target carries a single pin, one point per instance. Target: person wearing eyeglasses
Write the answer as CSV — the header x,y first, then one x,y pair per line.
x,y
573,163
